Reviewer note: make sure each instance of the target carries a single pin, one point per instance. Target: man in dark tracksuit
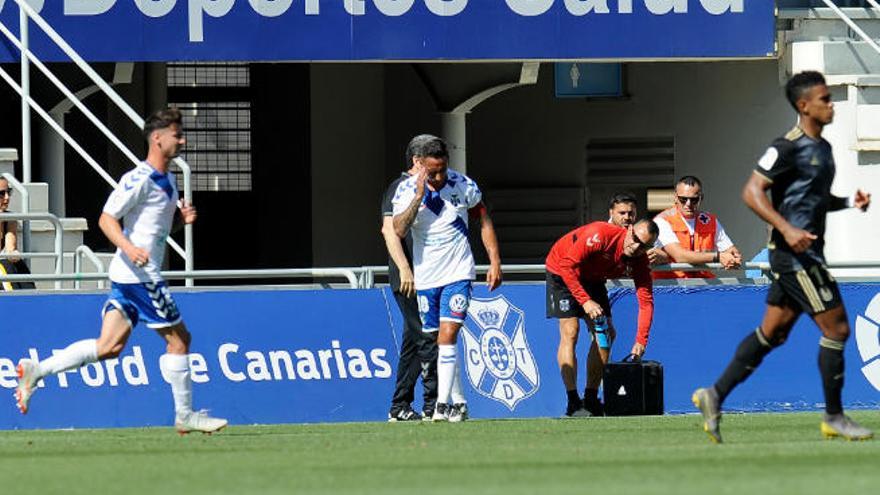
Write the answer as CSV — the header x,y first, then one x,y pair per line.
x,y
418,350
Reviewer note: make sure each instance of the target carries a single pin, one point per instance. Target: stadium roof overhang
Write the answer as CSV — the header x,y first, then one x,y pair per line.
x,y
401,30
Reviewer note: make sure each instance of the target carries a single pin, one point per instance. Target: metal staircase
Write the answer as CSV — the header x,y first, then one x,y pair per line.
x,y
39,246
35,232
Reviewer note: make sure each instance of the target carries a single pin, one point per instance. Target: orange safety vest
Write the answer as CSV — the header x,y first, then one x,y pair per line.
x,y
702,240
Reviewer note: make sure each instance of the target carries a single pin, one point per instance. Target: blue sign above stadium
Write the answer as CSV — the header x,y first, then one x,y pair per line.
x,y
364,30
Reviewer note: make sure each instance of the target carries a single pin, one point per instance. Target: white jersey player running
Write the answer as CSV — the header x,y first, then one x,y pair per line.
x,y
436,203
145,201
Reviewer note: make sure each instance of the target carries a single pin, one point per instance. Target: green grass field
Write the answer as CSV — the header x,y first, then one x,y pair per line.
x,y
764,453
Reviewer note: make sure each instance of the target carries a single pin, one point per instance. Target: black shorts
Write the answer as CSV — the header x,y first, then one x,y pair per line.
x,y
811,290
561,304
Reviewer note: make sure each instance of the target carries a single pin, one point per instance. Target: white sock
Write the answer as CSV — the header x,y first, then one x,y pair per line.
x,y
446,358
72,357
175,370
457,391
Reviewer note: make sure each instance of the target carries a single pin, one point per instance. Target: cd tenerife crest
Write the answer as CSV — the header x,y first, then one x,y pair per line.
x,y
500,364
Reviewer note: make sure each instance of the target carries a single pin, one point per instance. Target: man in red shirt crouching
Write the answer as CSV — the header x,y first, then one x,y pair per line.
x,y
578,266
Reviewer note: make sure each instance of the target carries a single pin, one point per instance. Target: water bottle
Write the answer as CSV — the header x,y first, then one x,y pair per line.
x,y
600,326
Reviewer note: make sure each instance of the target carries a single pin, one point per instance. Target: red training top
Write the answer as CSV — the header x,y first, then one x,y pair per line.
x,y
594,253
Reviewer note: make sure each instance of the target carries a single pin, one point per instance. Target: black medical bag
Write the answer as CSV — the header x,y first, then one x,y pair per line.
x,y
633,388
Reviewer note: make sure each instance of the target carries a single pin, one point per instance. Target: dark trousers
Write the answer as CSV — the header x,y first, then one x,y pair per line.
x,y
16,268
418,356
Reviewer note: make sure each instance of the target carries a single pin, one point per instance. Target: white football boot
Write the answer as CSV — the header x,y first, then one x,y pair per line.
x,y
199,421
27,383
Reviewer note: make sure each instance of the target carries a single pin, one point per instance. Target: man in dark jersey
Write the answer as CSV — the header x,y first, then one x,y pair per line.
x,y
798,169
418,350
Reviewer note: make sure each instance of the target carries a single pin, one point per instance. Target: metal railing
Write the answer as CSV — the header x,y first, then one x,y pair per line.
x,y
81,252
26,13
349,274
59,233
364,277
855,27
367,274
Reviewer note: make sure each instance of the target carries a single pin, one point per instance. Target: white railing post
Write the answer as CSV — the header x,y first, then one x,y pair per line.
x,y
188,259
25,108
83,250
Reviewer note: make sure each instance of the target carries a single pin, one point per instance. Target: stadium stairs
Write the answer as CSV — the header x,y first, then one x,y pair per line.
x,y
43,232
822,41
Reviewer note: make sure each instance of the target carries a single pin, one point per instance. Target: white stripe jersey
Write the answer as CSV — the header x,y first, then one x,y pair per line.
x,y
441,251
145,200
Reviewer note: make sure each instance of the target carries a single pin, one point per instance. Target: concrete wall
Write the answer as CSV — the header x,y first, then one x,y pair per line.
x,y
348,163
851,235
721,114
409,110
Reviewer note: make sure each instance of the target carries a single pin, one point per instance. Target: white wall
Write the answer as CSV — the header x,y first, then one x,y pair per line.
x,y
853,235
721,114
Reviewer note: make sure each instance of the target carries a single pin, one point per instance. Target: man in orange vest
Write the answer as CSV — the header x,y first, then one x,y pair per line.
x,y
689,235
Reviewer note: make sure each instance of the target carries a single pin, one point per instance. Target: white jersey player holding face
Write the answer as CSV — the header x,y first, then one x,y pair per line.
x,y
145,201
435,204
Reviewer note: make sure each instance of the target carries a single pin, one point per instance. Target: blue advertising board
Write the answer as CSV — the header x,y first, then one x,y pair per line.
x,y
282,356
363,30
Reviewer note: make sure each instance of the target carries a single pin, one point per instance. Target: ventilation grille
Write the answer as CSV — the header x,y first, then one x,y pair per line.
x,y
209,75
649,162
215,102
528,221
632,165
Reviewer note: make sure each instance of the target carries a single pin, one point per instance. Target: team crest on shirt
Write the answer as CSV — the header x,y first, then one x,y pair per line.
x,y
704,218
499,362
457,304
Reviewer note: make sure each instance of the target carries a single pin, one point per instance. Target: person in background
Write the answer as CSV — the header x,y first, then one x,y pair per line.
x,y
435,204
578,266
11,262
689,235
622,211
418,349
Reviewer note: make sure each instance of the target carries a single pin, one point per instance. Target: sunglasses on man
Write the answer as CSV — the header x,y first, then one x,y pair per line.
x,y
689,199
641,246
5,193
